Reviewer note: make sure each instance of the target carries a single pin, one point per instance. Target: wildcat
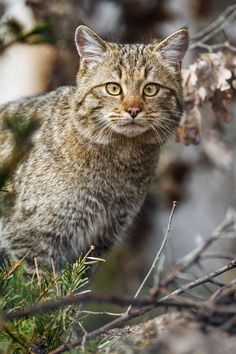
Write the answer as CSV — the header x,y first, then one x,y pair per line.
x,y
95,152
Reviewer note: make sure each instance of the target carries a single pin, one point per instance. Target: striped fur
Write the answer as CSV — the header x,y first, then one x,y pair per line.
x,y
87,174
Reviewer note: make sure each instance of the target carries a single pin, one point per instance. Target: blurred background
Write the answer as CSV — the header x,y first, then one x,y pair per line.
x,y
37,54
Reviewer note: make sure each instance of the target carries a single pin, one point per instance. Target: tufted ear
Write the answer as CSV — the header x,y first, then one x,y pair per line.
x,y
89,45
174,47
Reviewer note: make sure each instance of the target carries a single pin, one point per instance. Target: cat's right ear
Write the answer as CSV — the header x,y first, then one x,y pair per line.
x,y
173,48
89,45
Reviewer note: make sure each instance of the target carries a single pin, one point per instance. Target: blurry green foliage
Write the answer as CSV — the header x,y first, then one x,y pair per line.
x,y
21,129
12,32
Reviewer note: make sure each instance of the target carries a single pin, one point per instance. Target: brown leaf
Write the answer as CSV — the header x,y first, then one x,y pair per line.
x,y
219,105
202,78
189,129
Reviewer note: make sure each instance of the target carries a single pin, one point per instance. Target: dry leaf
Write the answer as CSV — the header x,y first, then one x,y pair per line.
x,y
219,105
189,129
206,80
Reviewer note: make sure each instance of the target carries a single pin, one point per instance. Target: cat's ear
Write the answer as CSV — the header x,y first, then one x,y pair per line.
x,y
89,45
174,47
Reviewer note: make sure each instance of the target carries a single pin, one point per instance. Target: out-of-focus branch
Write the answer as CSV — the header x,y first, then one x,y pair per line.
x,y
212,47
214,28
229,223
202,280
38,34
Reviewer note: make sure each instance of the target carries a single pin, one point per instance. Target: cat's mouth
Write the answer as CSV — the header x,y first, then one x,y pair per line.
x,y
132,124
130,128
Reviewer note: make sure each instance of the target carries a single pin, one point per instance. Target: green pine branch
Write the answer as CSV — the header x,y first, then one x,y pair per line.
x,y
43,331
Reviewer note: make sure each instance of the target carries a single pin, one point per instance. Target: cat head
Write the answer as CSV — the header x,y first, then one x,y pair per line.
x,y
129,90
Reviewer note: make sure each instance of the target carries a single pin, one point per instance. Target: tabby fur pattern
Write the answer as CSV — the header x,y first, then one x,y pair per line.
x,y
95,152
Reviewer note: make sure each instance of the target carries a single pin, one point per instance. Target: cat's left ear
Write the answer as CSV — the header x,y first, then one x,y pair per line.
x,y
89,45
174,47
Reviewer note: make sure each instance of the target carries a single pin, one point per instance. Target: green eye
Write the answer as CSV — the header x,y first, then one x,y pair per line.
x,y
151,90
113,89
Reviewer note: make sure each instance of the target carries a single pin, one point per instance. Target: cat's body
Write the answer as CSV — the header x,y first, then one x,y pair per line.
x,y
85,178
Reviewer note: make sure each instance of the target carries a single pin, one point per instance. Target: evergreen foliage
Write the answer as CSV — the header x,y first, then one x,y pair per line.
x,y
45,331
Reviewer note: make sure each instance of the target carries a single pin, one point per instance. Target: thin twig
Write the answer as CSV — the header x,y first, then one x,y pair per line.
x,y
216,255
221,291
216,26
188,260
88,312
92,248
212,47
202,280
83,341
201,38
157,257
216,282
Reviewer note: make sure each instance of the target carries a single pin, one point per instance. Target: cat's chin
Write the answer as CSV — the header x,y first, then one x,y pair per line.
x,y
130,130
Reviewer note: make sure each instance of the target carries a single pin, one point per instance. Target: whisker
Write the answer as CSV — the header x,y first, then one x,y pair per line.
x,y
163,118
105,131
166,132
156,134
164,129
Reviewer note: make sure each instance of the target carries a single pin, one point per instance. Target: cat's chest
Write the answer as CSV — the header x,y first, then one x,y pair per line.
x,y
103,198
102,214
117,180
118,173
108,195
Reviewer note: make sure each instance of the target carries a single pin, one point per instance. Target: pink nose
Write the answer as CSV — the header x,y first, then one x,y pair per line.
x,y
133,111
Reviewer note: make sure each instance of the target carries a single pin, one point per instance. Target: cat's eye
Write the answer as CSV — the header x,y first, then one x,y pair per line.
x,y
151,89
113,88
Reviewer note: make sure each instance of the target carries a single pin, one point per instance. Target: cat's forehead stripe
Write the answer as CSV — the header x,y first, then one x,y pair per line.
x,y
118,70
147,70
132,57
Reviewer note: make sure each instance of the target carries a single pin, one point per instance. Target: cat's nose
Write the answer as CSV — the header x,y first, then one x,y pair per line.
x,y
133,111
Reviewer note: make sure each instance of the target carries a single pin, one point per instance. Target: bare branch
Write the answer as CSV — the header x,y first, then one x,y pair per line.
x,y
202,280
212,47
216,255
216,26
77,300
187,261
201,38
157,257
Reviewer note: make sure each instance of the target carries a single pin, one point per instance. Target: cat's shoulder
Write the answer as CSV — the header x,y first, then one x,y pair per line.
x,y
29,113
27,106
